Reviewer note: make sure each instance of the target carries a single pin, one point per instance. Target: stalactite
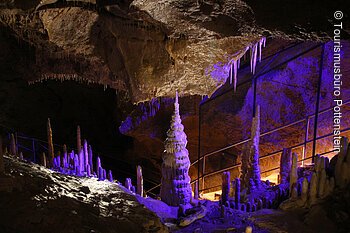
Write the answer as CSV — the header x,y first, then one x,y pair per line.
x,y
50,143
139,181
78,139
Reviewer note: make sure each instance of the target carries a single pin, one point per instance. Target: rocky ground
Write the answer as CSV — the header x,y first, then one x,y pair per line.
x,y
45,201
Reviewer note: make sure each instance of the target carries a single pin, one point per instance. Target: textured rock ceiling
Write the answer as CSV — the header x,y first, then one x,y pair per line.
x,y
146,48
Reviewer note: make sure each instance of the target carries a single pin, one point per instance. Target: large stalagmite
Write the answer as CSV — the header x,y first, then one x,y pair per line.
x,y
176,188
250,157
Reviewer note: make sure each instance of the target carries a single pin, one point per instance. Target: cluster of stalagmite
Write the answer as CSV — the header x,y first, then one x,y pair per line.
x,y
325,177
175,184
250,174
80,164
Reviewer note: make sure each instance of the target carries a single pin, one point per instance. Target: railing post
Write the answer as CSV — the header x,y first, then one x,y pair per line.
x,y
199,143
307,125
317,103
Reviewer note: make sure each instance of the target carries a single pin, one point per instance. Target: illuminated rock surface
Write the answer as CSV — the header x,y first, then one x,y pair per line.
x,y
51,202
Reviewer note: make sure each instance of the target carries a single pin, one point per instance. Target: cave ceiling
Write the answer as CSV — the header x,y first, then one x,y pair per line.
x,y
149,48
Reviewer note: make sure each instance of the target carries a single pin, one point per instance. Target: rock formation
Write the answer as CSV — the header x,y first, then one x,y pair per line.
x,y
139,189
50,148
78,139
237,193
13,147
225,187
175,185
285,165
293,177
250,174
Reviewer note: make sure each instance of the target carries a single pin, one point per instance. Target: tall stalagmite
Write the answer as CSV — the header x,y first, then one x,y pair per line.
x,y
50,143
13,147
78,139
176,188
250,158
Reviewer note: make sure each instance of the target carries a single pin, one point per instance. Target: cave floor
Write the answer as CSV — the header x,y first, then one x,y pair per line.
x,y
45,201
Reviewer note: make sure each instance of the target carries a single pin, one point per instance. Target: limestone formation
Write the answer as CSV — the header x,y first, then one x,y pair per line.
x,y
13,147
98,166
128,183
294,191
176,187
90,159
304,190
313,188
78,139
43,159
139,189
50,148
250,156
237,193
285,165
293,178
110,176
249,230
196,191
86,154
340,167
225,187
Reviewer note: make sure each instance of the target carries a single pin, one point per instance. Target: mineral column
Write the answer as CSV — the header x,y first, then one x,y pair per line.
x,y
285,165
13,149
78,139
293,178
225,187
250,157
139,189
176,188
50,143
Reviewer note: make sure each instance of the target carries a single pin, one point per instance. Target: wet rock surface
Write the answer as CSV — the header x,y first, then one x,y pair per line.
x,y
51,202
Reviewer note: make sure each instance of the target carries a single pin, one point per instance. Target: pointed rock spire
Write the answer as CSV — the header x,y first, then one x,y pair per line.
x,y
176,188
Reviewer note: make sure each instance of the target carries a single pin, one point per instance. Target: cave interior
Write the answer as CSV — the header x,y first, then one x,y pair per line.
x,y
174,116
